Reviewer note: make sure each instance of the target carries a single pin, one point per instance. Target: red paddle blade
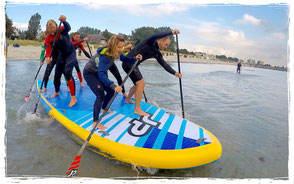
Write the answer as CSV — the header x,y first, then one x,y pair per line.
x,y
73,169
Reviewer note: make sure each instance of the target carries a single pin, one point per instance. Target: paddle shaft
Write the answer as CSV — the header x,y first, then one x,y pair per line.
x,y
35,79
35,110
77,158
180,80
89,48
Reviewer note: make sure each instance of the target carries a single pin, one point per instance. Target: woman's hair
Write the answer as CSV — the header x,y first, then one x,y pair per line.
x,y
49,23
112,43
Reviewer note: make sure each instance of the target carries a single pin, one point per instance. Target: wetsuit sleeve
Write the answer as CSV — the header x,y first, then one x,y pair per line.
x,y
163,63
47,46
158,36
102,72
42,56
114,70
126,59
67,27
87,54
77,43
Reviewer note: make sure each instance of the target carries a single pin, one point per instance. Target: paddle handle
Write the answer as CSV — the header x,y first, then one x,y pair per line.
x,y
180,80
89,48
75,164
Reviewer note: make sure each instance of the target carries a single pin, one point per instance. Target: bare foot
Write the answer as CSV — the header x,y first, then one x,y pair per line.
x,y
68,89
109,111
125,95
44,89
73,101
141,113
54,95
100,126
82,84
129,101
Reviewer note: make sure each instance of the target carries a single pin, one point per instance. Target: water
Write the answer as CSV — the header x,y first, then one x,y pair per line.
x,y
248,113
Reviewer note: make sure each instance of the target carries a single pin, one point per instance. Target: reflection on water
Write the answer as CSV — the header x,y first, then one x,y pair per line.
x,y
248,113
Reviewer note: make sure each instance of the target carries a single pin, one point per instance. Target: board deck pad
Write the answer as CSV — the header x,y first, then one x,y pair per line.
x,y
159,130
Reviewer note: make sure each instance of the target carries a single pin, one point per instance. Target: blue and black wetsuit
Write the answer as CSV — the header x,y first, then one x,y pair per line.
x,y
148,48
95,74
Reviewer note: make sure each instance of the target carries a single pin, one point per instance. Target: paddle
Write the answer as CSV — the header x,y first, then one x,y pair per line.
x,y
146,100
180,80
35,110
28,96
73,169
89,48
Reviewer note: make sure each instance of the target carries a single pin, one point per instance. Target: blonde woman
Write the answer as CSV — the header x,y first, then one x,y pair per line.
x,y
96,74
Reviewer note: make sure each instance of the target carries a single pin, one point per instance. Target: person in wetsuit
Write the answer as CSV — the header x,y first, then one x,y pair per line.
x,y
239,65
67,55
95,74
49,66
78,44
148,48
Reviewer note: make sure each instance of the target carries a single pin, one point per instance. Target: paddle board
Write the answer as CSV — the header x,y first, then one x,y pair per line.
x,y
160,140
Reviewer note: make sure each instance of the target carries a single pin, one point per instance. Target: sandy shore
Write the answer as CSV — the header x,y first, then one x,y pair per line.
x,y
33,53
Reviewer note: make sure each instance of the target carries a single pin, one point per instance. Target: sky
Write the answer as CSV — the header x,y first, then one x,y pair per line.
x,y
245,31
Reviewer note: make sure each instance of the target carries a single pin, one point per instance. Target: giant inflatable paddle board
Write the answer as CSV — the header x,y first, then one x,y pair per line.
x,y
161,140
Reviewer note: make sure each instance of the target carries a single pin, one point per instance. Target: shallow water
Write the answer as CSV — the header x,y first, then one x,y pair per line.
x,y
248,113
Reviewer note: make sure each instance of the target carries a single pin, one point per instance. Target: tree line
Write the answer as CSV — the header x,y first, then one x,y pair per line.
x,y
34,33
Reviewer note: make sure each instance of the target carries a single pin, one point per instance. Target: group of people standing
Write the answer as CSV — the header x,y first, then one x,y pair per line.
x,y
62,53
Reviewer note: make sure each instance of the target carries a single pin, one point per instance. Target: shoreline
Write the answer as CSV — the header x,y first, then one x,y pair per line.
x,y
33,53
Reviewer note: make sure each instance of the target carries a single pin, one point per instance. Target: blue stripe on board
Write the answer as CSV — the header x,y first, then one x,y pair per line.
x,y
181,135
144,107
85,118
169,141
103,122
79,115
113,126
72,114
152,138
201,136
163,132
188,143
141,141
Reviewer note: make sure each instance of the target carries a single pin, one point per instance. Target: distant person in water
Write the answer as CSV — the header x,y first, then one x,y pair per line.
x,y
239,65
78,44
95,74
67,55
148,48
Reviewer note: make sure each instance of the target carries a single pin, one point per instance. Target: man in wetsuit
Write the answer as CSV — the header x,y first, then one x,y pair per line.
x,y
75,40
148,48
239,67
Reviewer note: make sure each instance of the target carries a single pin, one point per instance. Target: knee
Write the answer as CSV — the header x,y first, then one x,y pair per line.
x,y
140,83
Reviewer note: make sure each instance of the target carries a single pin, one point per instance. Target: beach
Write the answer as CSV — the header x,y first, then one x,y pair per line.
x,y
33,53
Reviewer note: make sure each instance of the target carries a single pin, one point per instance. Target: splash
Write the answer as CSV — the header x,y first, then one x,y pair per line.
x,y
150,171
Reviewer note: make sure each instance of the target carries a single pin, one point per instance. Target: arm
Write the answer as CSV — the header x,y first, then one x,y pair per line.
x,y
76,43
67,27
102,72
42,56
159,35
126,59
166,66
114,70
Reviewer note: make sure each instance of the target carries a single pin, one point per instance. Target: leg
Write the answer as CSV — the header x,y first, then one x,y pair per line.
x,y
138,96
48,71
57,76
69,64
79,73
96,87
109,95
131,93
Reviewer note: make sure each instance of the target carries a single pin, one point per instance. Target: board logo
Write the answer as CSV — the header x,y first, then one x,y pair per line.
x,y
142,126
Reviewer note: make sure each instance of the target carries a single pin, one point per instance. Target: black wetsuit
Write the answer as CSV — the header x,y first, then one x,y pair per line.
x,y
148,48
239,67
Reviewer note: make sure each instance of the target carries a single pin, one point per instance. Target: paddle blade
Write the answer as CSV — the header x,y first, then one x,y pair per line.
x,y
73,169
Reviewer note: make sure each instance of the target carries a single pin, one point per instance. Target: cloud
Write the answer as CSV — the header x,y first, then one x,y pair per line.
x,y
151,10
24,26
20,26
249,19
215,38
